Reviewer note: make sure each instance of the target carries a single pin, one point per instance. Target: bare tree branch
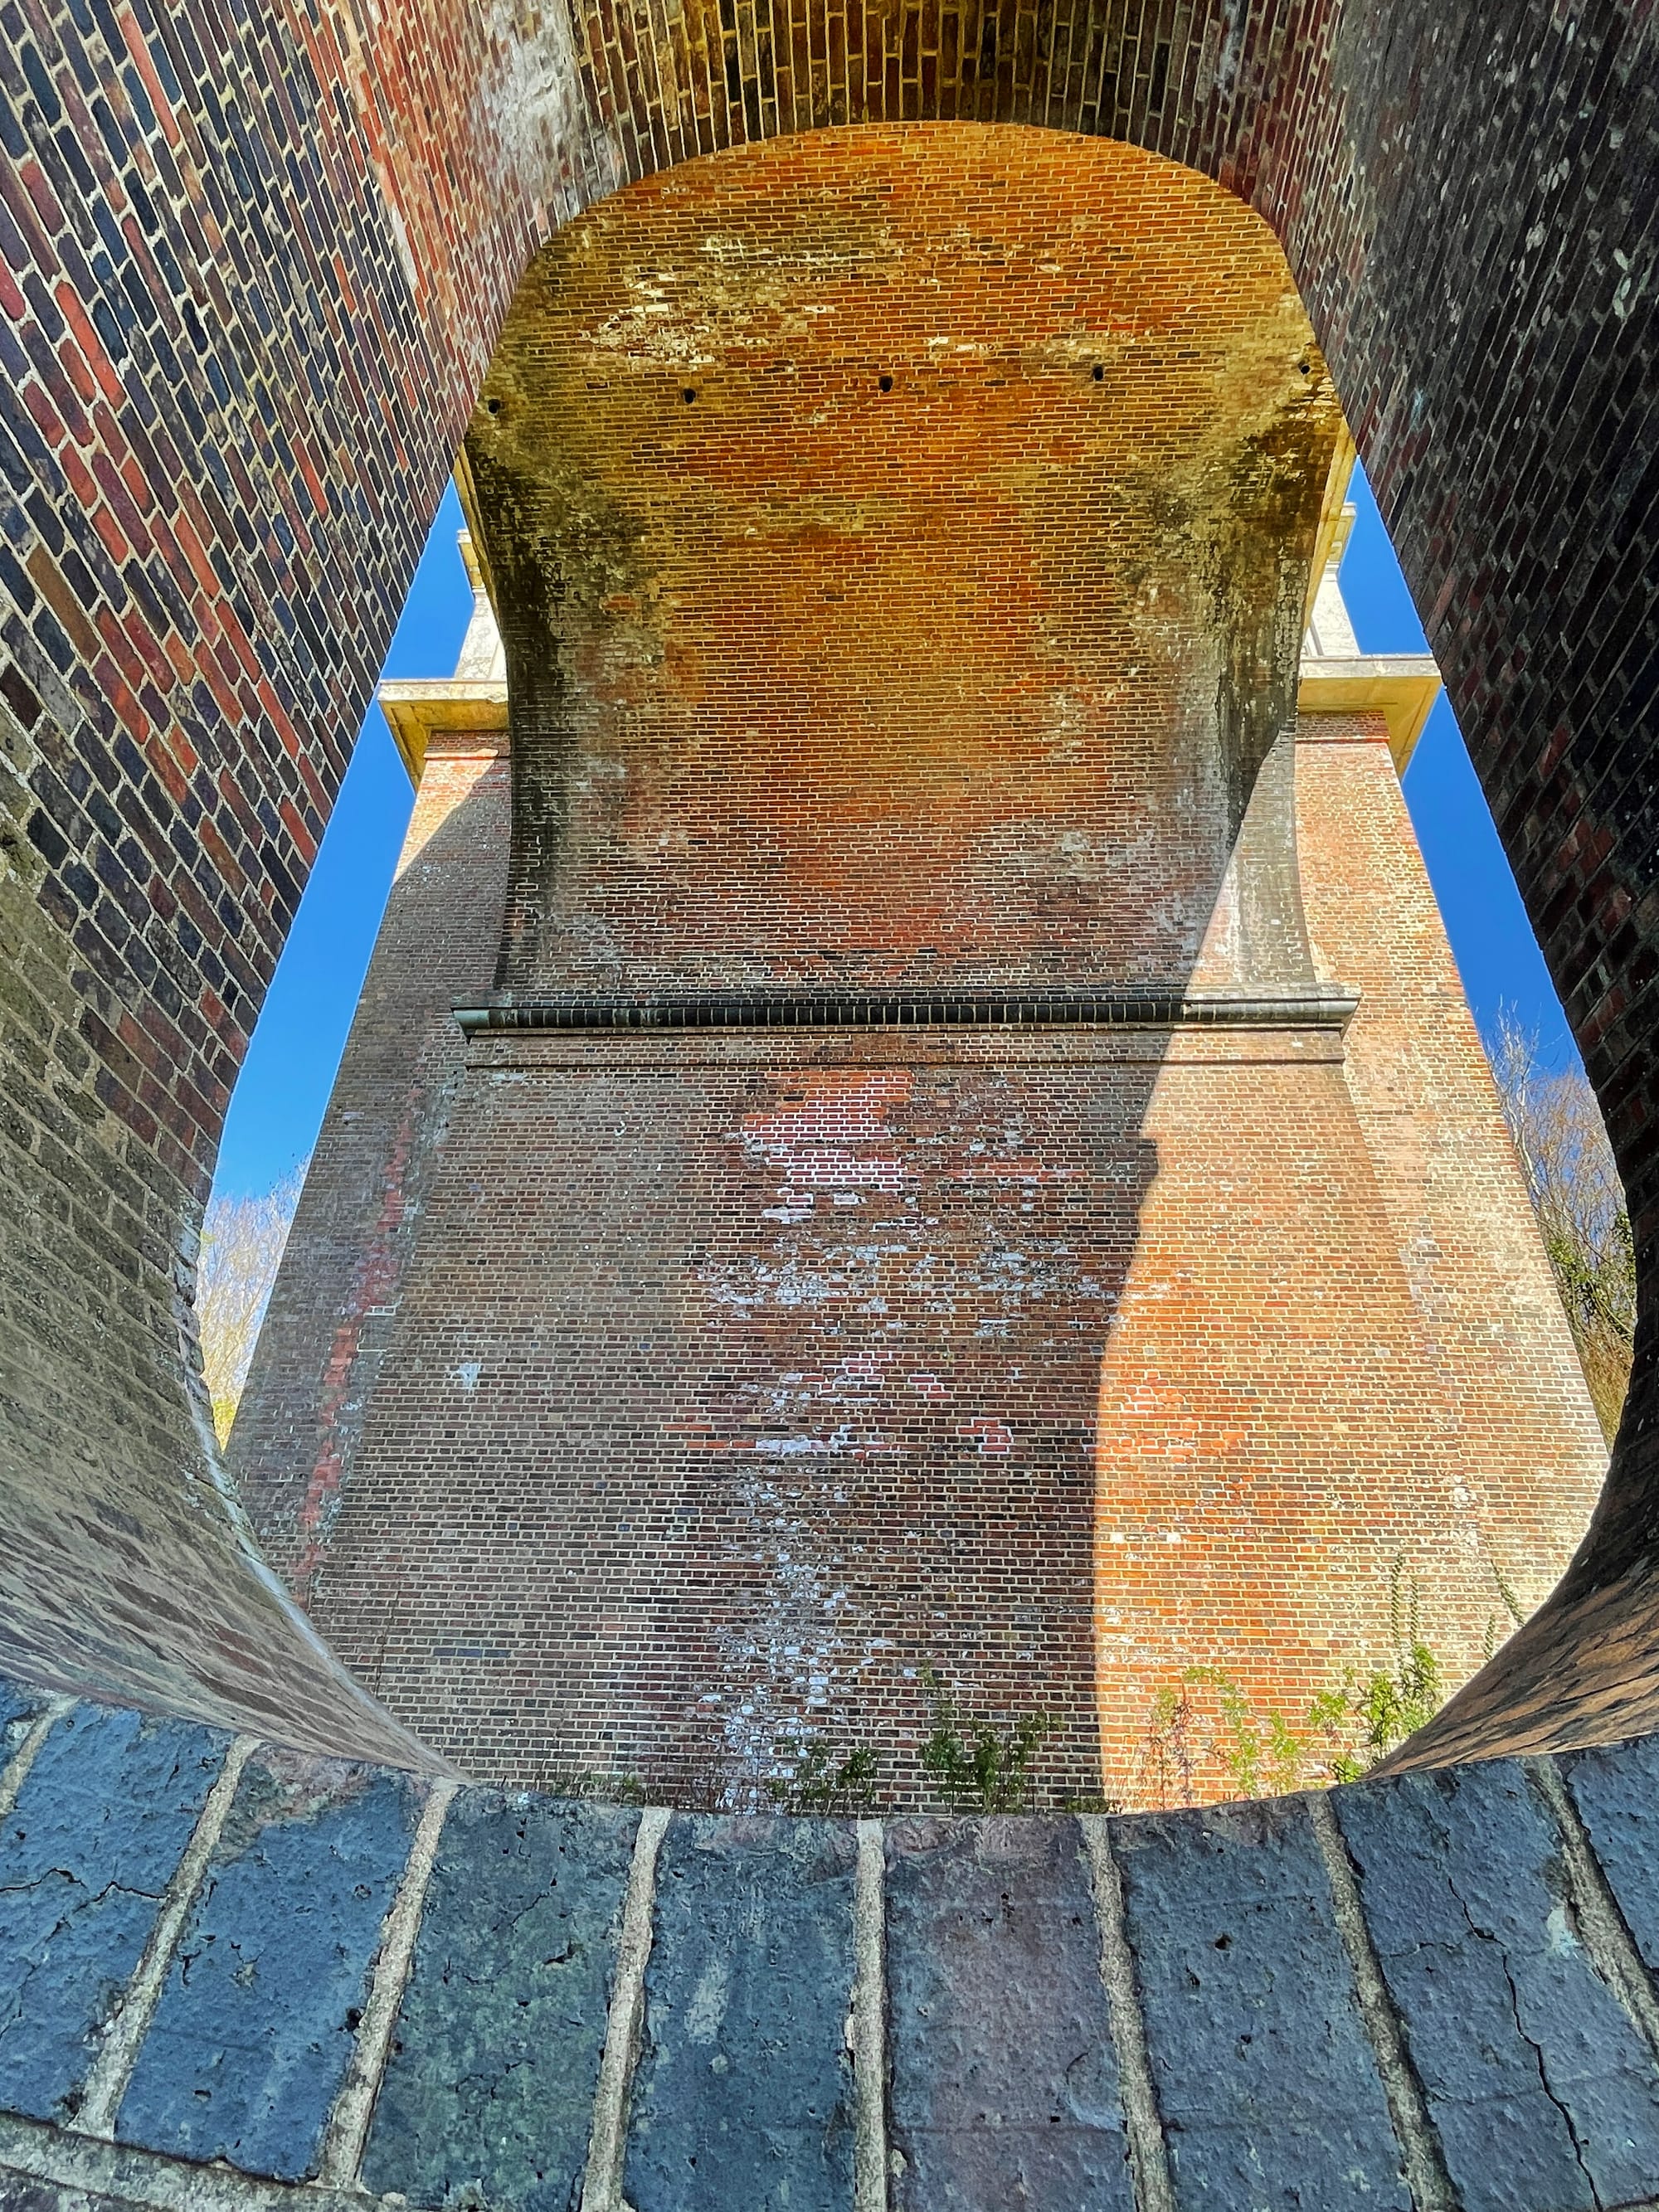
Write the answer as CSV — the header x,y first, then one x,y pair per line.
x,y
242,1241
1580,1203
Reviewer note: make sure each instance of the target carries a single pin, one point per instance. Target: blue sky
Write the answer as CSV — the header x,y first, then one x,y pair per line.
x,y
279,1102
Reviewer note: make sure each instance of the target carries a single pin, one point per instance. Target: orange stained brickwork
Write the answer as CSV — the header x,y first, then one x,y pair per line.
x,y
896,531
900,538
1339,1362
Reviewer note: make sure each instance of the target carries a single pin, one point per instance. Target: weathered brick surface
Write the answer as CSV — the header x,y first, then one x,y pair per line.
x,y
206,197
1253,2026
744,2087
649,1487
1198,1501
1004,2089
1430,1412
736,1385
235,354
1535,2079
256,2022
899,583
1488,1313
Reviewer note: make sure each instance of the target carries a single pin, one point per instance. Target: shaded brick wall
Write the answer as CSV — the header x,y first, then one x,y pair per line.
x,y
898,591
734,1386
325,1330
741,1383
236,348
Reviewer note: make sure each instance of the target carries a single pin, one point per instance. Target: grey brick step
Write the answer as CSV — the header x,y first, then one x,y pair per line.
x,y
230,1974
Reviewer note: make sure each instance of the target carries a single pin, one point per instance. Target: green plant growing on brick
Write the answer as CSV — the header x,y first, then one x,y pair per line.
x,y
592,1785
1092,1800
1167,1760
977,1767
1393,1702
820,1782
1263,1753
1347,1728
1507,1593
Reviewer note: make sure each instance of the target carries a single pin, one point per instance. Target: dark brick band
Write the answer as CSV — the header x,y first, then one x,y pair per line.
x,y
1156,1007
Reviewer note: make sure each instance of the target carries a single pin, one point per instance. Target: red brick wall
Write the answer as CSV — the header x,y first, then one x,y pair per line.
x,y
326,1331
244,307
734,1384
958,681
1340,1364
738,1383
1530,1449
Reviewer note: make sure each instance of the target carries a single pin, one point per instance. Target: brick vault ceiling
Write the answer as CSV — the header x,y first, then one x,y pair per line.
x,y
901,498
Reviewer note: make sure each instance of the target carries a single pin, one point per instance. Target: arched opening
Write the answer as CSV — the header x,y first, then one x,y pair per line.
x,y
256,281
230,786
902,540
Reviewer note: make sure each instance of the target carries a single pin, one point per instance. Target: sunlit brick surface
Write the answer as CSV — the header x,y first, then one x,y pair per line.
x,y
897,534
1338,1346
739,1384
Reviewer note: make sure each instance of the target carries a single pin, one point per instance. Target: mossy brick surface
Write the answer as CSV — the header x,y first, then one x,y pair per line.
x,y
257,2016
1268,2087
744,2091
1004,2085
489,2088
1540,2088
97,1832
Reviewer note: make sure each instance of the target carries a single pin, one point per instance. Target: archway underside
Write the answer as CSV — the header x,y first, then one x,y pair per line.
x,y
251,283
164,663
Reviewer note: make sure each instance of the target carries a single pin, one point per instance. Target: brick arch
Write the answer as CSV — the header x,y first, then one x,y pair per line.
x,y
249,292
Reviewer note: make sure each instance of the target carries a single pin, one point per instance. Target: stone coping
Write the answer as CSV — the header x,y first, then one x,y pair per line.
x,y
234,1973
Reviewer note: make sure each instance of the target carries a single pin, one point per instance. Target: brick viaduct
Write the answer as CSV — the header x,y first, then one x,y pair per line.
x,y
252,271
899,539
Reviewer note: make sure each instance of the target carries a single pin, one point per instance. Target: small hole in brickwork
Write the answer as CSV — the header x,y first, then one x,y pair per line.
x,y
885,382
688,395
1098,373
